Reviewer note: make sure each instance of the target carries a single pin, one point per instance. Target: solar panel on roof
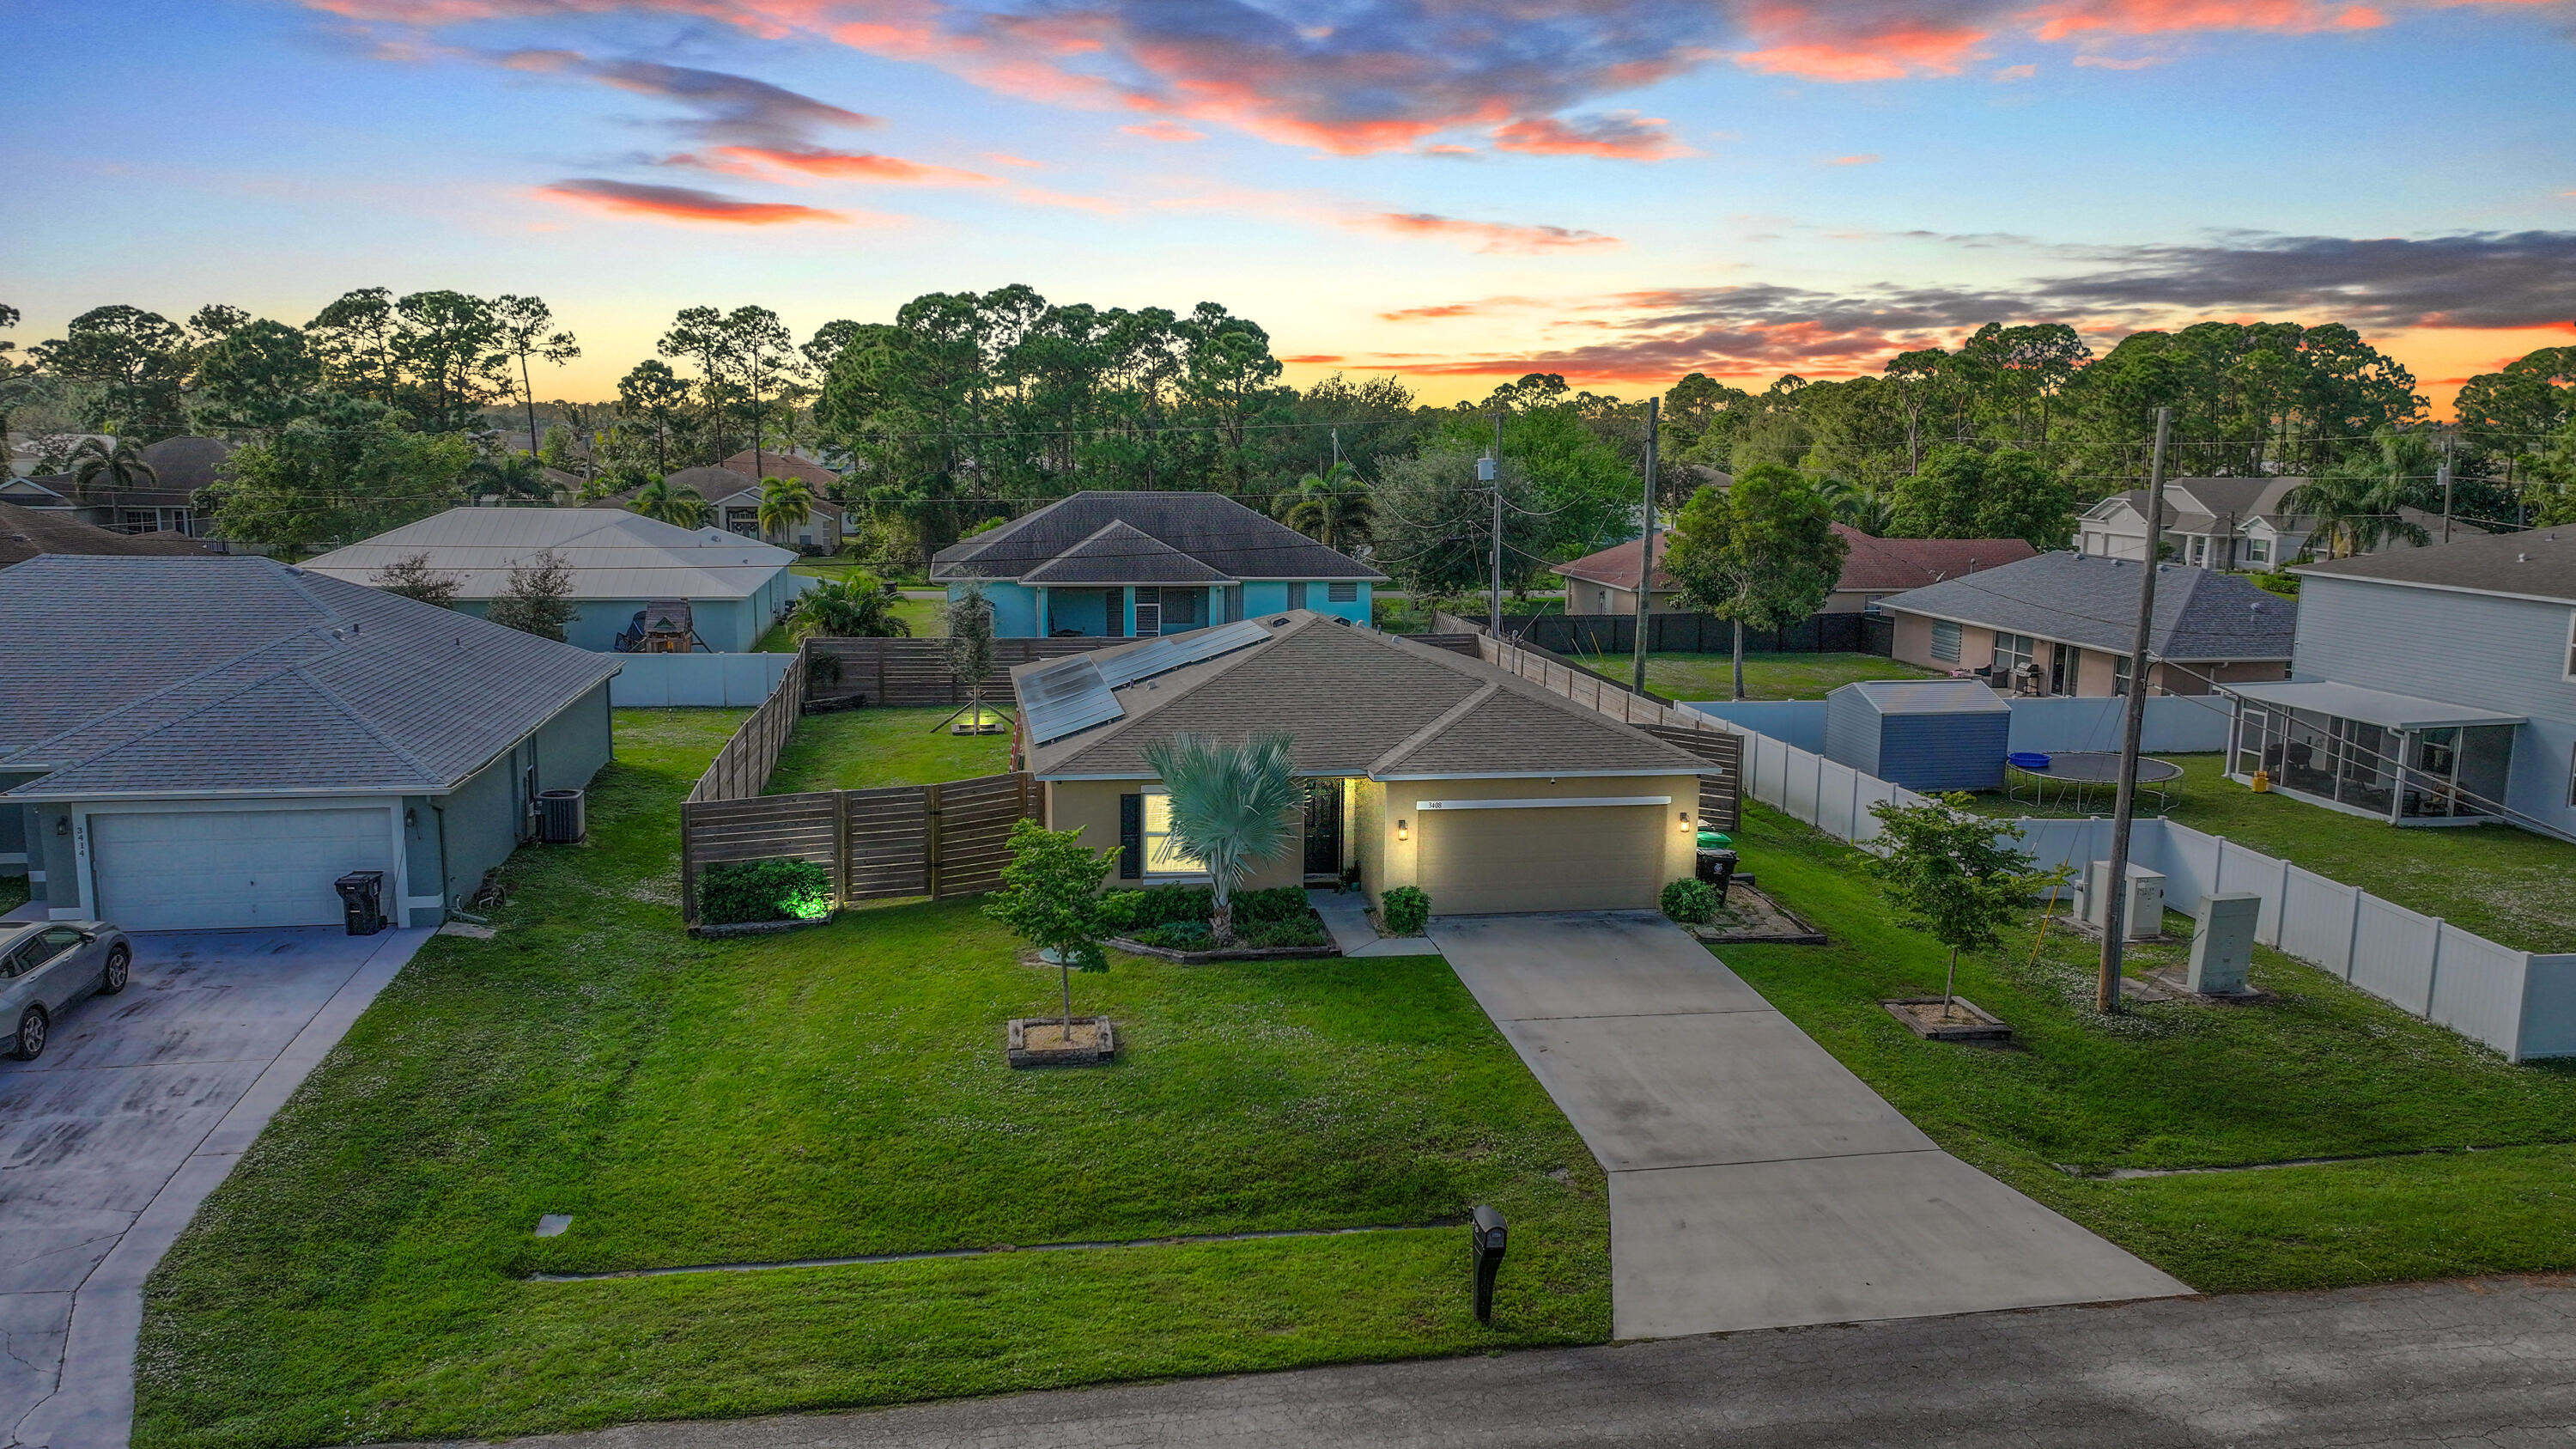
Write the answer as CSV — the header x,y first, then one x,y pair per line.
x,y
1178,651
1066,697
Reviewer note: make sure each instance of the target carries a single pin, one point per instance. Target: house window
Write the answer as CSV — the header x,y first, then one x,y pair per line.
x,y
1297,596
2199,549
2013,653
1163,855
1945,641
2571,646
1342,593
2120,675
2258,551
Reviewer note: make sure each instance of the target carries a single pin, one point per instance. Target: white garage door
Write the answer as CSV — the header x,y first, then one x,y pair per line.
x,y
1570,858
201,870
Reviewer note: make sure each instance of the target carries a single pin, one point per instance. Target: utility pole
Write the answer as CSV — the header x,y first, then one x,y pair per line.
x,y
2106,992
1646,547
2444,470
1493,475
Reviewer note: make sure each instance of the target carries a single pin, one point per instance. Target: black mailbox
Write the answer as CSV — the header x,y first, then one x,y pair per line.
x,y
1488,1233
362,894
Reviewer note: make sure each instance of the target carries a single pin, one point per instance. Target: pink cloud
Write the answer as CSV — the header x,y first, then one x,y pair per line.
x,y
679,203
1866,158
837,165
1487,236
1627,137
1164,131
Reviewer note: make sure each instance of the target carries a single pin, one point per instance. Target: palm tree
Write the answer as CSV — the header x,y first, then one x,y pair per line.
x,y
511,475
785,504
121,462
858,606
1865,509
682,507
1331,507
2355,500
1232,805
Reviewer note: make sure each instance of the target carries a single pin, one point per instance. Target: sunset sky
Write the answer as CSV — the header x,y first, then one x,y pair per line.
x,y
1621,190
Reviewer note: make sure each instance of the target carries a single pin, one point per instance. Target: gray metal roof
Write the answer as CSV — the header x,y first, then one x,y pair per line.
x,y
1228,539
2539,564
2201,615
1927,696
175,676
1357,702
2370,706
614,554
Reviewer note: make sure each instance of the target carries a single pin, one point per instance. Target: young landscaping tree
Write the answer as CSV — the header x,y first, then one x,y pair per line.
x,y
1231,806
412,577
970,646
538,598
1763,552
1050,895
855,606
1951,874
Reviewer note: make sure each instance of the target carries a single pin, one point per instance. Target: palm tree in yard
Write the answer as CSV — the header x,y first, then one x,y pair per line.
x,y
120,462
1333,507
2355,500
681,507
508,476
1232,805
785,504
860,606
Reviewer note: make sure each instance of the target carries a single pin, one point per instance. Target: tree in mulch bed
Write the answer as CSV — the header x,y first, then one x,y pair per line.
x,y
1231,807
1950,874
1050,895
739,892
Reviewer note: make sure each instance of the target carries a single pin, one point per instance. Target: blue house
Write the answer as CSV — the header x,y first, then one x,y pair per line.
x,y
1134,565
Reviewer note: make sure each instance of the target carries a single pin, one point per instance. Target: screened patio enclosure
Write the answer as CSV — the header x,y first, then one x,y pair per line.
x,y
2392,757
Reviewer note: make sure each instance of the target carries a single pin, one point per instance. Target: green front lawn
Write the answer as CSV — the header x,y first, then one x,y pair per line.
x,y
2324,1071
364,1273
861,749
1766,676
2508,885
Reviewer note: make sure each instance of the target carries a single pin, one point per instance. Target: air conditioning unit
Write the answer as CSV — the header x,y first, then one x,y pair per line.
x,y
2144,915
563,817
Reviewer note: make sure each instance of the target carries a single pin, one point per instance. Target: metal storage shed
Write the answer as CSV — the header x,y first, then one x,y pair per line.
x,y
1923,734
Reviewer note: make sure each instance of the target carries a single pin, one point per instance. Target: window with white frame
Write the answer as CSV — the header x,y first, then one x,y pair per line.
x,y
1945,641
2258,550
1163,854
2013,652
2120,675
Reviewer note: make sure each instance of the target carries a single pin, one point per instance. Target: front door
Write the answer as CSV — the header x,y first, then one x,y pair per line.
x,y
1324,827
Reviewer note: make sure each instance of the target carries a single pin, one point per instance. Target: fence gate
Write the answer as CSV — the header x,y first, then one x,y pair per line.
x,y
950,839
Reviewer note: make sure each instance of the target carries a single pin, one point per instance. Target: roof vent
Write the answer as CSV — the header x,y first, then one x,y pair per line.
x,y
1279,623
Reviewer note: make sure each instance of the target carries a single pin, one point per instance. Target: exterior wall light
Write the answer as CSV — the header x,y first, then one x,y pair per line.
x,y
62,825
1685,820
1403,830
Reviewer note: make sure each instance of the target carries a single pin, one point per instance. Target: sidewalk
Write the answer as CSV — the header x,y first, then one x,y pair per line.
x,y
1345,914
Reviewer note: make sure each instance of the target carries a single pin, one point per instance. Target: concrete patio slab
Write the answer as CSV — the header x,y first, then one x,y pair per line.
x,y
1755,1182
137,1110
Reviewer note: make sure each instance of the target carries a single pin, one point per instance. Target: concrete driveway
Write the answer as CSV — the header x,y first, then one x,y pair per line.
x,y
1754,1181
138,1108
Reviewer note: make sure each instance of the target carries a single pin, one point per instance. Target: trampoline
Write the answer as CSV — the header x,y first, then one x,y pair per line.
x,y
2077,775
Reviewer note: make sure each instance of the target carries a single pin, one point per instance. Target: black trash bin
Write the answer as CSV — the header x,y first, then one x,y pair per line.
x,y
1717,867
362,893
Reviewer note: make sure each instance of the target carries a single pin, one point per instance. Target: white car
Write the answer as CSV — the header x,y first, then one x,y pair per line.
x,y
49,967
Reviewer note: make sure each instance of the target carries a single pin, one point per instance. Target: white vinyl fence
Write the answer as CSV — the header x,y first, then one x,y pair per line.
x,y
2521,1003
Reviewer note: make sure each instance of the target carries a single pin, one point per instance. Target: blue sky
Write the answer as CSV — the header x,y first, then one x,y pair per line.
x,y
1622,191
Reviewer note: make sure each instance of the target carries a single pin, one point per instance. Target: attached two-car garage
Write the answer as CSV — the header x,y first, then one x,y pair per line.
x,y
1479,857
216,869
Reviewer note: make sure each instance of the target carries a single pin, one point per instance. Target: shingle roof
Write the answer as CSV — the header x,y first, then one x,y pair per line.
x,y
27,532
2201,615
1357,701
2539,564
1121,554
1231,540
1869,564
775,464
177,676
614,554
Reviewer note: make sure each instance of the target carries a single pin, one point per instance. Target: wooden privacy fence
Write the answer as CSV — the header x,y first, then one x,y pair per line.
x,y
938,841
915,671
1700,634
741,769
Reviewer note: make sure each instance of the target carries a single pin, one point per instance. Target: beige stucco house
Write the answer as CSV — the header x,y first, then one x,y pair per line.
x,y
1421,766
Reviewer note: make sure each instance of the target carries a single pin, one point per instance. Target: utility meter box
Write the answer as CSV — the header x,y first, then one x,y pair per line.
x,y
2222,944
2144,915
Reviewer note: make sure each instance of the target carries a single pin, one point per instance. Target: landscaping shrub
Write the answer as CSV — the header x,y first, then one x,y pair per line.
x,y
1691,902
1176,917
764,890
1405,910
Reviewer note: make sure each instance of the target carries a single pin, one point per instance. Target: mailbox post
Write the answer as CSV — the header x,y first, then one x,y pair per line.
x,y
1488,1234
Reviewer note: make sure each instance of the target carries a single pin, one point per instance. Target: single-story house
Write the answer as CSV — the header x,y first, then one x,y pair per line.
x,y
1873,568
735,500
1135,565
621,562
771,463
201,743
2223,523
2429,686
2064,623
166,504
1421,766
27,532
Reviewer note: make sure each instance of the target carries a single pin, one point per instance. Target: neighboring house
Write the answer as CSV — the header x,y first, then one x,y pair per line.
x,y
773,464
191,744
27,532
2221,523
2433,686
1133,565
1421,766
2064,623
736,504
621,562
1873,568
180,467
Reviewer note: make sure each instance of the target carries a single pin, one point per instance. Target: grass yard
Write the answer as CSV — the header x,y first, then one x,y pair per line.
x,y
922,614
2510,886
2323,1072
15,891
364,1274
860,749
1766,676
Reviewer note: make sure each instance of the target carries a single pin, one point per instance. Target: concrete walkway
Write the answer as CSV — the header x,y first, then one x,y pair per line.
x,y
2488,1363
1345,914
138,1109
1754,1181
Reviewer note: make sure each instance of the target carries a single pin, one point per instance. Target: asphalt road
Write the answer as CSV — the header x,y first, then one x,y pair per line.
x,y
2487,1362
